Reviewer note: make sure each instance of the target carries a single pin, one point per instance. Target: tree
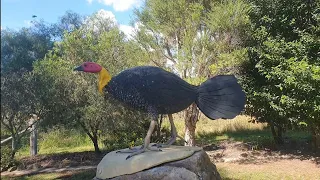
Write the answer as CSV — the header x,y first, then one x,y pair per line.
x,y
67,23
16,106
73,99
66,98
194,39
19,49
283,68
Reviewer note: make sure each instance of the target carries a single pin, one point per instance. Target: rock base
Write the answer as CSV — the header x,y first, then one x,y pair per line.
x,y
196,167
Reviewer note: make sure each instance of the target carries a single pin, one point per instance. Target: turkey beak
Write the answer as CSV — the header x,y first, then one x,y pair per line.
x,y
79,68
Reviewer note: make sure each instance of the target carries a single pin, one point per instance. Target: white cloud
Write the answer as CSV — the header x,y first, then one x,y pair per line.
x,y
100,20
106,15
128,30
89,1
121,5
28,23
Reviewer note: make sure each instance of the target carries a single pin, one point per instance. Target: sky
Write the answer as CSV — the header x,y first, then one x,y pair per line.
x,y
16,14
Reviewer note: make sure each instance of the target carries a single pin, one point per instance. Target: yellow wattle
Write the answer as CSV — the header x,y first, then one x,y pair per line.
x,y
104,78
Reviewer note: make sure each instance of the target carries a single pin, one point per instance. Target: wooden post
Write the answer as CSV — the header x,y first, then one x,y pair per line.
x,y
33,135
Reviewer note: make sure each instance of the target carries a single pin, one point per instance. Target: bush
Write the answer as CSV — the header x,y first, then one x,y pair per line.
x,y
6,160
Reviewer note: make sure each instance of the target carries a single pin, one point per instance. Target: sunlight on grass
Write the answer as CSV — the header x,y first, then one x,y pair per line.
x,y
237,129
67,149
58,141
275,170
34,177
219,127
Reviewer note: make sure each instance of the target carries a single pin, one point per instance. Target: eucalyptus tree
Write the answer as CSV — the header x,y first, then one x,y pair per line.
x,y
194,39
19,49
73,99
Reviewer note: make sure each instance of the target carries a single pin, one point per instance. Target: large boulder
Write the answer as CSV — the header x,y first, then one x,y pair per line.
x,y
174,163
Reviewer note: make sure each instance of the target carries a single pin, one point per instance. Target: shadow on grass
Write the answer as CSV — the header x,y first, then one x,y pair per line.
x,y
74,159
88,174
70,175
259,143
255,138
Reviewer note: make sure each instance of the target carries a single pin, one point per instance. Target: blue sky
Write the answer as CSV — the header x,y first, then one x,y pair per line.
x,y
18,13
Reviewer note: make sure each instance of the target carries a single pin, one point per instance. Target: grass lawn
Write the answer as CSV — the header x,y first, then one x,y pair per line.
x,y
283,169
207,132
75,175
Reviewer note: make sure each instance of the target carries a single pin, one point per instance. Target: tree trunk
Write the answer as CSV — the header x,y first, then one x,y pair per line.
x,y
94,140
93,137
33,137
13,147
96,146
191,118
277,135
316,139
34,143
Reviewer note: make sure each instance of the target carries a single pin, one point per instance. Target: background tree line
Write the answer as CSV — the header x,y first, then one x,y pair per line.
x,y
272,47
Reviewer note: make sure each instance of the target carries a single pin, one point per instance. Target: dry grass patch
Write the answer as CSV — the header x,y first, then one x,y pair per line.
x,y
218,127
292,169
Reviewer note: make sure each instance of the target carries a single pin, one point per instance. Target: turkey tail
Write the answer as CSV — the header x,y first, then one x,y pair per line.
x,y
221,97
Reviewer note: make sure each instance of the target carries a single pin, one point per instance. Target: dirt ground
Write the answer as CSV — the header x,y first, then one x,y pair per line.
x,y
61,160
237,156
240,161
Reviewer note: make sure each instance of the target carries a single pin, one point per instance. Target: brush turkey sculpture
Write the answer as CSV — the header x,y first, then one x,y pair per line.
x,y
157,91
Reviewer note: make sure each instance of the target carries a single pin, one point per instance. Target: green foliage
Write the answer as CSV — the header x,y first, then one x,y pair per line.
x,y
17,102
127,127
229,22
283,72
19,49
228,16
6,160
197,39
194,39
67,23
72,98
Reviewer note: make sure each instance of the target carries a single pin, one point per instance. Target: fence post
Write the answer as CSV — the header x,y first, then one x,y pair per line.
x,y
33,135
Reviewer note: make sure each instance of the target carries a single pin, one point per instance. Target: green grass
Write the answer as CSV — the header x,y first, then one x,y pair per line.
x,y
219,127
238,129
228,174
78,175
280,170
60,140
207,132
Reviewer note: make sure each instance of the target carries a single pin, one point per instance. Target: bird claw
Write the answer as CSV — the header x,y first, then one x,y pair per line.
x,y
130,150
139,151
128,157
160,145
